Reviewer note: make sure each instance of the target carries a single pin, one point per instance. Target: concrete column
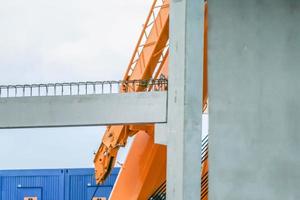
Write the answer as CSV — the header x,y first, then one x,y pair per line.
x,y
185,100
254,88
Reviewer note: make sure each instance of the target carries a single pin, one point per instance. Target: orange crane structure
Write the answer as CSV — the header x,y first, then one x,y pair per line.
x,y
253,144
143,175
253,59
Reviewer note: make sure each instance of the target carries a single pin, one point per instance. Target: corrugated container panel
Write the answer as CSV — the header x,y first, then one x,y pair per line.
x,y
81,184
45,184
62,184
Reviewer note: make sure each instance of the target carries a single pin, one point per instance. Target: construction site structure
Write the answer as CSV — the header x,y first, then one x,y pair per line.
x,y
145,166
241,56
143,175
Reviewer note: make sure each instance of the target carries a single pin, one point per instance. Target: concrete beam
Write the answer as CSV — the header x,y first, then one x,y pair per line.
x,y
185,99
83,110
254,89
161,133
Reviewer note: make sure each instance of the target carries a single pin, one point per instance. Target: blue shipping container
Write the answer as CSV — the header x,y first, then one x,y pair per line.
x,y
53,184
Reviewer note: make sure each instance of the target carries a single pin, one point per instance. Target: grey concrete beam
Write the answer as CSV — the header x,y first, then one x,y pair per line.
x,y
161,133
83,110
185,99
254,88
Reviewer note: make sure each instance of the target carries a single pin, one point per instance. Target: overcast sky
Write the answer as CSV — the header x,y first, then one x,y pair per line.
x,y
56,41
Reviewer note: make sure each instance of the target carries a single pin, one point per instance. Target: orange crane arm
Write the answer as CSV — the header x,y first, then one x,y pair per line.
x,y
144,170
148,54
143,175
145,166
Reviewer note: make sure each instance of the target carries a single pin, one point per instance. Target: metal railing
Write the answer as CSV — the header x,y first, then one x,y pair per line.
x,y
82,88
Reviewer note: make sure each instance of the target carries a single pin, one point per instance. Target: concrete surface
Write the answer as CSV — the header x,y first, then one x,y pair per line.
x,y
185,100
161,133
254,88
85,110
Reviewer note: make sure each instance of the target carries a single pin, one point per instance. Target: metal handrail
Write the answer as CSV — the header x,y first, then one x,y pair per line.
x,y
82,88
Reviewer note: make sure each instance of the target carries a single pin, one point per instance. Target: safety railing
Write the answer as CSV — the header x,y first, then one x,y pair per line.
x,y
82,88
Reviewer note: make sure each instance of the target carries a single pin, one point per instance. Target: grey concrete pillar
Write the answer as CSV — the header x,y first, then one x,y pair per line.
x,y
254,88
185,100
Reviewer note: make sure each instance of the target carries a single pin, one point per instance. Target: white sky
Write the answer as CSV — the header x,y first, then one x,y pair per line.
x,y
56,41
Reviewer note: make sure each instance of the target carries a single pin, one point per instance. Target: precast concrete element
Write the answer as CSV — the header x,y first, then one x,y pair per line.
x,y
254,88
83,110
161,133
185,99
